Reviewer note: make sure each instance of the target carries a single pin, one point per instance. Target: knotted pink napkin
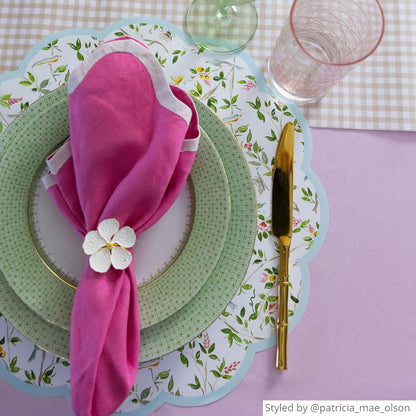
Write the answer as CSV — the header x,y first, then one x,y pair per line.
x,y
133,141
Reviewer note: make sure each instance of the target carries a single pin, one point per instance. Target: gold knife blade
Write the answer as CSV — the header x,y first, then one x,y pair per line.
x,y
282,207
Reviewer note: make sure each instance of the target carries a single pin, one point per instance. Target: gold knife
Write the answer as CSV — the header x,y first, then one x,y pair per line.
x,y
282,206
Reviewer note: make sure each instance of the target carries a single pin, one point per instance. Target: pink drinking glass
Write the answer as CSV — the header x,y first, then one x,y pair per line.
x,y
320,43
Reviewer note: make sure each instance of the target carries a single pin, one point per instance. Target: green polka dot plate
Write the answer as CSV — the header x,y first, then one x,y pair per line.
x,y
184,296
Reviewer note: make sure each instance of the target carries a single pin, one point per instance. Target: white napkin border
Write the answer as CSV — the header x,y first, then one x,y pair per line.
x,y
161,86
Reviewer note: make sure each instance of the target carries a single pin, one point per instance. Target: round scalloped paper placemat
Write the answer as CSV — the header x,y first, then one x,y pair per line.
x,y
214,361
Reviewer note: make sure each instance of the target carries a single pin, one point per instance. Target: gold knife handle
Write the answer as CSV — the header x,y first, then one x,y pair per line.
x,y
282,324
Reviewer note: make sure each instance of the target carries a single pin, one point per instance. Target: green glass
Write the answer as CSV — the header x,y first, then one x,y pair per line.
x,y
222,26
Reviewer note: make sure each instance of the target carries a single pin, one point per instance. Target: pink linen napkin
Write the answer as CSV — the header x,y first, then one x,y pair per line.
x,y
132,145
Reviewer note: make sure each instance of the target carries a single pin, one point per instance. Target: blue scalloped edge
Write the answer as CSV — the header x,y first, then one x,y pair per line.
x,y
303,262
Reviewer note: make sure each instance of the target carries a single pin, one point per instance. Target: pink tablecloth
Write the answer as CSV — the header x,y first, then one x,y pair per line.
x,y
356,339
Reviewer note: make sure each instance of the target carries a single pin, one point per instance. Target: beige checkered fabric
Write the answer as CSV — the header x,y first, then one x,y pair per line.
x,y
379,94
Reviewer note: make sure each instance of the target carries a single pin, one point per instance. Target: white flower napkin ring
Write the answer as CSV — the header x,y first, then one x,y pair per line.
x,y
108,246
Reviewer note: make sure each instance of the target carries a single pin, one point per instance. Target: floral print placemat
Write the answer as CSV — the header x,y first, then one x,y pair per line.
x,y
209,366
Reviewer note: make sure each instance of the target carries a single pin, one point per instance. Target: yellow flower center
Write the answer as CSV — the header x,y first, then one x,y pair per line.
x,y
110,245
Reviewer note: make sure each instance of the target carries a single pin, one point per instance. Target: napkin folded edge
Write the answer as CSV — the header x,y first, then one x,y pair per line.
x,y
164,95
129,45
57,159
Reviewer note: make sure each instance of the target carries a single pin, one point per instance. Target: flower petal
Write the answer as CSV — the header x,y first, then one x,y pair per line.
x,y
125,237
120,258
107,228
101,261
93,242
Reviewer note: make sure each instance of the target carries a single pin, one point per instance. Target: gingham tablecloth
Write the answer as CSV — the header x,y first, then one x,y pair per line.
x,y
379,94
